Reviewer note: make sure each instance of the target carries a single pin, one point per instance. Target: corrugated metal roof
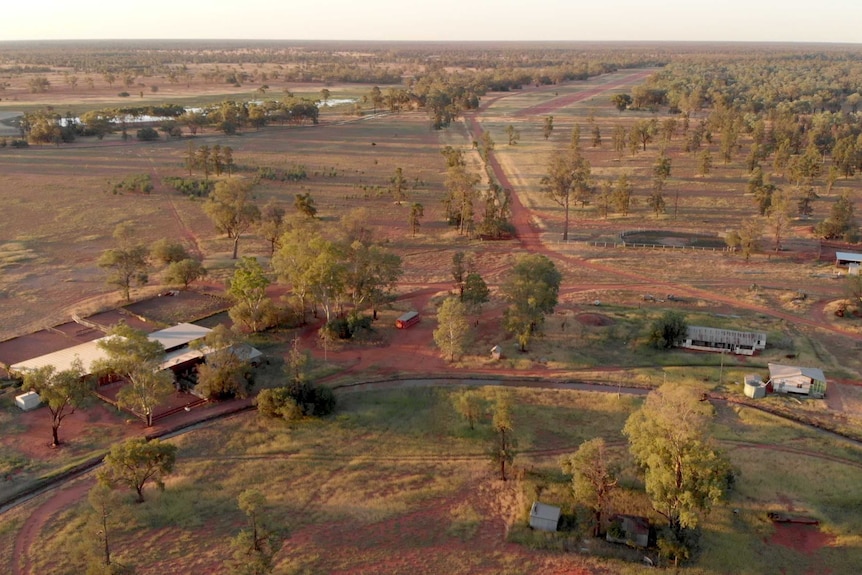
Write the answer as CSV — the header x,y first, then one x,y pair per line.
x,y
848,257
179,335
728,336
173,339
779,371
63,359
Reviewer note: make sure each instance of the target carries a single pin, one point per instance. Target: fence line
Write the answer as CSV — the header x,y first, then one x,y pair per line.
x,y
612,244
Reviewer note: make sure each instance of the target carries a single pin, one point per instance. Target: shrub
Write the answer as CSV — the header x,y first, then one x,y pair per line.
x,y
190,187
668,330
147,134
346,327
296,400
166,251
134,183
123,94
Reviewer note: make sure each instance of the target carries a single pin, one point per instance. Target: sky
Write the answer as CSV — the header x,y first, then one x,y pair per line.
x,y
837,21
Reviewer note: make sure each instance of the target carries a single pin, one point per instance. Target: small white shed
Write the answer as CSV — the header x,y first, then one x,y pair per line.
x,y
497,352
797,380
28,401
544,517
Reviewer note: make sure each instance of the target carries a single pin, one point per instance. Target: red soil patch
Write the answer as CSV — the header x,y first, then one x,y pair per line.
x,y
806,539
594,319
34,441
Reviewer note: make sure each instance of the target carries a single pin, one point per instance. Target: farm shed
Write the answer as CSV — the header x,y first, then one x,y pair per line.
x,y
754,387
847,258
497,352
28,401
407,319
715,339
630,529
544,517
797,380
179,355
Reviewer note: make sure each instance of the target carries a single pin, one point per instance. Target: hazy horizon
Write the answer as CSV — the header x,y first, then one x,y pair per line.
x,y
446,21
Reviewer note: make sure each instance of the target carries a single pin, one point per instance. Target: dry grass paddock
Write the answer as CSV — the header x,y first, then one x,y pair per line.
x,y
397,481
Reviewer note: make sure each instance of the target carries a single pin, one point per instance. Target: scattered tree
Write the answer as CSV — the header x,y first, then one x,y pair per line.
x,y
227,371
668,331
621,197
669,439
704,163
841,222
530,288
749,237
547,126
621,101
127,263
512,134
568,177
503,452
475,291
304,204
62,392
252,308
416,213
469,404
594,478
184,272
231,209
255,546
165,251
104,504
135,462
453,329
461,265
779,217
131,354
398,186
271,225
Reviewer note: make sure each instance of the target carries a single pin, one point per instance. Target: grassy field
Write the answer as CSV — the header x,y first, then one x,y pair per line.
x,y
396,481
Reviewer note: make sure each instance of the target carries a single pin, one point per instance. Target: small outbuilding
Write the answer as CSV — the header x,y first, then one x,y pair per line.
x,y
28,401
753,386
497,352
847,258
629,529
808,381
544,517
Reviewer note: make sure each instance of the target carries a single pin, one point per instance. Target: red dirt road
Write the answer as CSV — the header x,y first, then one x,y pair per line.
x,y
563,101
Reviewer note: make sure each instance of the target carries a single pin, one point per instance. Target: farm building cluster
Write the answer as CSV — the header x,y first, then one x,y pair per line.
x,y
789,379
183,353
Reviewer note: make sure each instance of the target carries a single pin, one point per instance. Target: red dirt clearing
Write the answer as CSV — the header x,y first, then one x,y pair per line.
x,y
594,319
806,539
